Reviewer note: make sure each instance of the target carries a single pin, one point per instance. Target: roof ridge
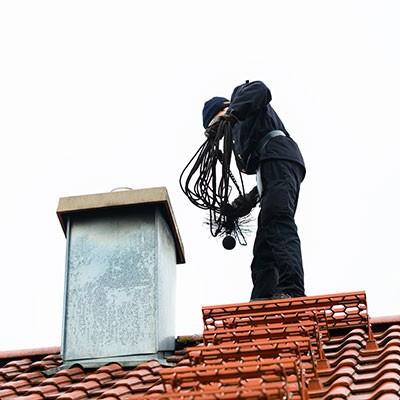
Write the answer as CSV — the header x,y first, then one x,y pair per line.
x,y
29,352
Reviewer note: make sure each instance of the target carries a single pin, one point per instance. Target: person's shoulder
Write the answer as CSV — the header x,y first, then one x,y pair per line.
x,y
284,139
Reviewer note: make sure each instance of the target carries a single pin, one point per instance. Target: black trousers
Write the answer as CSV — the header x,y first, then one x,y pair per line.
x,y
277,265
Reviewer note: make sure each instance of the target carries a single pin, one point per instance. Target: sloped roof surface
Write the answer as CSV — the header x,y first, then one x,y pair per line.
x,y
321,347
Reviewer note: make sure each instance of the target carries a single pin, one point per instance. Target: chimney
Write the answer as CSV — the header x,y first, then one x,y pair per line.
x,y
122,249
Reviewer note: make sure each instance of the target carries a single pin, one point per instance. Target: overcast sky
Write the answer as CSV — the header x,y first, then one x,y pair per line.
x,y
96,95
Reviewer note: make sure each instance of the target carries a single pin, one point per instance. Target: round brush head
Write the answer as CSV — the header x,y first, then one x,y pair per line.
x,y
229,242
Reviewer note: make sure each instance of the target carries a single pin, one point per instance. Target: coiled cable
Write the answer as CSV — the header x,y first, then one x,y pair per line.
x,y
206,181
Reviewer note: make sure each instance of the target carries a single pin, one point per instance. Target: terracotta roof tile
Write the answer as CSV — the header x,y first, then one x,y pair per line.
x,y
34,378
131,382
8,393
101,378
35,396
76,374
46,363
320,347
118,391
18,386
74,395
60,381
43,390
114,369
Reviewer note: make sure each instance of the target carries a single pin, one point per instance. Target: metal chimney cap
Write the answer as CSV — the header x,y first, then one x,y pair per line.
x,y
73,205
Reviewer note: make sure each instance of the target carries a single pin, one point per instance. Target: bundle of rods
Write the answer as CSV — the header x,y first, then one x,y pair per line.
x,y
206,181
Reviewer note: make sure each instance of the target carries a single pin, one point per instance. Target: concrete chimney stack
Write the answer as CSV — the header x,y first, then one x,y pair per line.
x,y
121,255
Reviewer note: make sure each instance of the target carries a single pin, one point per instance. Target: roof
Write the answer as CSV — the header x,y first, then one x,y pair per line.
x,y
321,347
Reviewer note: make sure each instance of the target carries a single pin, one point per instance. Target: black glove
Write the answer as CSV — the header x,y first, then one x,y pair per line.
x,y
253,196
243,205
251,199
211,131
229,117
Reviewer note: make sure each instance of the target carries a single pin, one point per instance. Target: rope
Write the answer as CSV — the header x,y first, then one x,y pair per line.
x,y
206,182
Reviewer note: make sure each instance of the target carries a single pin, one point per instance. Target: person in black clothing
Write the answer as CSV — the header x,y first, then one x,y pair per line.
x,y
263,146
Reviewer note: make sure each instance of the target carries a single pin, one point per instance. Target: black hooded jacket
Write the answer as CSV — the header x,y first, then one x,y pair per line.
x,y
250,105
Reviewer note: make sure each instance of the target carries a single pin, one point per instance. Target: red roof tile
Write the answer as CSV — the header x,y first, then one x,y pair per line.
x,y
320,347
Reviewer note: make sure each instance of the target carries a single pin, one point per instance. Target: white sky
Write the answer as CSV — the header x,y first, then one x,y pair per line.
x,y
95,95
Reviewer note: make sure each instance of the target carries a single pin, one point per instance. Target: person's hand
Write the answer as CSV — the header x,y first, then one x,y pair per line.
x,y
243,205
229,117
211,131
253,196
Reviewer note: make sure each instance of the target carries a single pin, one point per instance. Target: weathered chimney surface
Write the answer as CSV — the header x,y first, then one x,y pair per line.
x,y
121,256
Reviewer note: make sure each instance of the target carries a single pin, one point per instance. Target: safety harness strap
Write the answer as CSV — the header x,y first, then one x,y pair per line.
x,y
267,138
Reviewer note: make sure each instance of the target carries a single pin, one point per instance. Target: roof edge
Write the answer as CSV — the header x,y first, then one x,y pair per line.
x,y
388,319
29,352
